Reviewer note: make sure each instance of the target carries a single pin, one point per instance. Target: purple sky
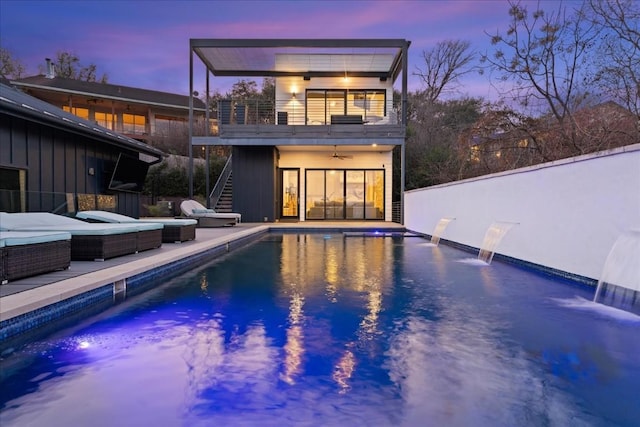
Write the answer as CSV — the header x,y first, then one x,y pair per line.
x,y
146,43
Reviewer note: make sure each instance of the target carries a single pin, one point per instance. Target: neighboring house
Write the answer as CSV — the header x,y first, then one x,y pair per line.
x,y
54,161
498,142
157,118
607,125
322,149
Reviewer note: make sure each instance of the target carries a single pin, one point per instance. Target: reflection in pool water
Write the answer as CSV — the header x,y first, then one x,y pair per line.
x,y
323,330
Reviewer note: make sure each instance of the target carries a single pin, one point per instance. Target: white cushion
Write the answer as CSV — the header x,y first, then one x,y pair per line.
x,y
43,221
20,238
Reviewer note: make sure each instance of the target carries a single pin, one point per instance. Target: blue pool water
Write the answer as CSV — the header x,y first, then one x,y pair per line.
x,y
326,330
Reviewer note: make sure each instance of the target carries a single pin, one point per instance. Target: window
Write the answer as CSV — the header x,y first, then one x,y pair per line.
x,y
321,104
104,119
171,126
474,154
133,123
83,113
315,194
368,103
13,184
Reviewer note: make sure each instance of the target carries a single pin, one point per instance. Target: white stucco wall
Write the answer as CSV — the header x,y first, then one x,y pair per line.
x,y
569,213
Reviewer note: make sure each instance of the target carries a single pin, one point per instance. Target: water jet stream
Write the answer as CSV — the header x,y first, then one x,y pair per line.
x,y
492,239
619,284
439,230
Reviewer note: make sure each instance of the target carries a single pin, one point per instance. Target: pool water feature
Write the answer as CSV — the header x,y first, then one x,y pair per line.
x,y
619,285
439,230
322,330
492,238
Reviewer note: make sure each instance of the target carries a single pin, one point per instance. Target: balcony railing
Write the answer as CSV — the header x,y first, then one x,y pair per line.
x,y
293,112
247,118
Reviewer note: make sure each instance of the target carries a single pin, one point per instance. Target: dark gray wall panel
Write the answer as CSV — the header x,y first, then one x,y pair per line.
x,y
57,163
5,140
46,163
71,173
254,178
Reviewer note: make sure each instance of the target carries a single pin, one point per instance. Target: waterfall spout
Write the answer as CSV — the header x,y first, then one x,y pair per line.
x,y
619,284
439,229
492,239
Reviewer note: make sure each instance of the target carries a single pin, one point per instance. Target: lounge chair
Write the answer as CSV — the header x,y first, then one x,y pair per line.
x,y
208,217
88,241
174,230
24,253
149,233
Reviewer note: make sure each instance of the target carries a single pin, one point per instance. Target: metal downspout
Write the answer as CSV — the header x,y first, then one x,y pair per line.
x,y
405,64
190,122
206,132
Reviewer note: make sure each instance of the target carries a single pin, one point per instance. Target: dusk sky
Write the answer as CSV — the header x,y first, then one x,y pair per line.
x,y
146,43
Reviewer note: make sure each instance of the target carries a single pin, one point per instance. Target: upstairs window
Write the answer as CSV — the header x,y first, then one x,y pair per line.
x,y
321,104
83,113
370,104
105,120
133,123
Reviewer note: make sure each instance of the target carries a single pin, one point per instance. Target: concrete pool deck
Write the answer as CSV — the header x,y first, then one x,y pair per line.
x,y
30,294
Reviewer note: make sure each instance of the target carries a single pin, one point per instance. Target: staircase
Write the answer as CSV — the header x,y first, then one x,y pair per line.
x,y
225,202
220,197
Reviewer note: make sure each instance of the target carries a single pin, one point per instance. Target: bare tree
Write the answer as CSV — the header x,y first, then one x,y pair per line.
x,y
432,138
547,57
10,67
499,140
244,89
618,66
268,89
444,64
67,65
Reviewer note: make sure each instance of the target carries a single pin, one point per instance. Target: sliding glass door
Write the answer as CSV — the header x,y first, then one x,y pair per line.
x,y
337,194
321,104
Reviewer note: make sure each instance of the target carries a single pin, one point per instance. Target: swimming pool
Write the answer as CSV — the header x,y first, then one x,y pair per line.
x,y
327,330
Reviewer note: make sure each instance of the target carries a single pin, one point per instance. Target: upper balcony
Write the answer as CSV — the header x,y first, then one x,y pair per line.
x,y
246,119
336,89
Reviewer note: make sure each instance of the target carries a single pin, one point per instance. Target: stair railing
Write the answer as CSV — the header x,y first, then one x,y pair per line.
x,y
220,184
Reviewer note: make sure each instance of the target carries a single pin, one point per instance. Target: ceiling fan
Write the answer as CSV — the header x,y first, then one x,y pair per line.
x,y
335,154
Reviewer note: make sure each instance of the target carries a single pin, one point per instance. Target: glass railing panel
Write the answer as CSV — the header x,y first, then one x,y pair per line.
x,y
54,202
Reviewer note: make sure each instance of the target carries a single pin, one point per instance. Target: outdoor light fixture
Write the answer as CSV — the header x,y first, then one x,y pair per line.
x,y
293,95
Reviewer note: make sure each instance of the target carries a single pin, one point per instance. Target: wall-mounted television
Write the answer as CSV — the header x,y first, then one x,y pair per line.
x,y
129,174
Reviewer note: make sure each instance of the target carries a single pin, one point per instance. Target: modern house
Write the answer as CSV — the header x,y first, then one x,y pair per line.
x,y
322,149
54,161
